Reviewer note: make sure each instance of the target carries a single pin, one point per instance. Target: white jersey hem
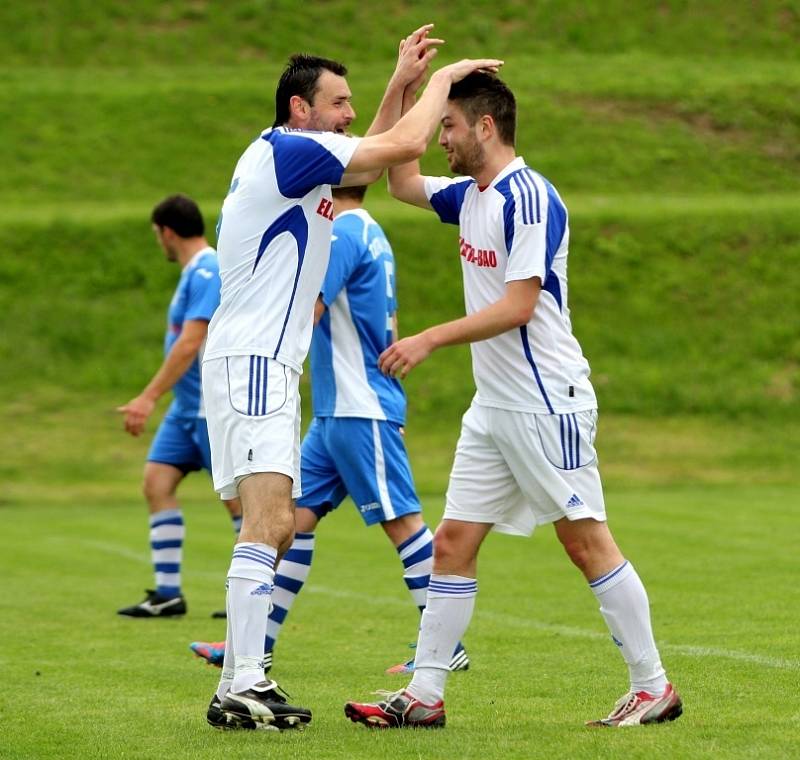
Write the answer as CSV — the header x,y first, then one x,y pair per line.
x,y
508,406
254,351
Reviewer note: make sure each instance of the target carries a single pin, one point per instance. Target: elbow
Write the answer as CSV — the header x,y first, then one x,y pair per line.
x,y
412,148
418,147
522,315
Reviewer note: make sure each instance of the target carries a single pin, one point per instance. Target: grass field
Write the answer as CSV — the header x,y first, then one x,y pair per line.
x,y
718,561
706,510
671,129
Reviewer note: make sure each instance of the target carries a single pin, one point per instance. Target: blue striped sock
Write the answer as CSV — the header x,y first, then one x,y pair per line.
x,y
237,525
416,554
166,550
292,572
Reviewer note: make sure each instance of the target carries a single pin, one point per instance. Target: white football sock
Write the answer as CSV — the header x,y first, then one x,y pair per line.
x,y
249,588
626,610
451,601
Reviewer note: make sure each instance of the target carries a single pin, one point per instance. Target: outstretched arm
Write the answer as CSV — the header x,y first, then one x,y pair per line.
x,y
407,139
514,309
415,54
406,182
178,360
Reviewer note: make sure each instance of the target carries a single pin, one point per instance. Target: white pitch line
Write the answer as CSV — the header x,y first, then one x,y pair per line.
x,y
580,633
498,617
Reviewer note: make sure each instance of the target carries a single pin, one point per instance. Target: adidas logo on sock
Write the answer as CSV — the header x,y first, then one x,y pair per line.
x,y
263,590
575,501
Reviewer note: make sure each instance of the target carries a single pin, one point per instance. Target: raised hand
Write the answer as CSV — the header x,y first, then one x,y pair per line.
x,y
463,68
414,55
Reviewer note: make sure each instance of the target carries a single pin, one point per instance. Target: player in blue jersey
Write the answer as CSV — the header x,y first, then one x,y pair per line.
x,y
181,442
526,453
274,244
354,446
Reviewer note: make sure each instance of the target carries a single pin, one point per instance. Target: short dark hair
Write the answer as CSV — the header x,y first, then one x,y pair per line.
x,y
356,192
181,214
481,93
300,77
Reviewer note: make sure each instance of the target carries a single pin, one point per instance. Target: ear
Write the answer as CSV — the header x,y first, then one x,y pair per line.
x,y
299,109
486,127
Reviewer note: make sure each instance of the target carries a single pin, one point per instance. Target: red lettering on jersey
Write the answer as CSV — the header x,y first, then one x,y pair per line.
x,y
325,209
482,257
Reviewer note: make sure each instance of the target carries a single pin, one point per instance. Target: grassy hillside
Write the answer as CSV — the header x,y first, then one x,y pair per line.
x,y
671,129
148,32
678,314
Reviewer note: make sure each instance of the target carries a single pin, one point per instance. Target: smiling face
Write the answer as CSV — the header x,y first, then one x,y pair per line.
x,y
465,152
330,109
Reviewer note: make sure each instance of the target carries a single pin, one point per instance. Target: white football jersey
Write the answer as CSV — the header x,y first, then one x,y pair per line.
x,y
515,229
274,237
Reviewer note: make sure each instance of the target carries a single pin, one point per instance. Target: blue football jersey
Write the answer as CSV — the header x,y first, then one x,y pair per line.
x,y
196,297
360,296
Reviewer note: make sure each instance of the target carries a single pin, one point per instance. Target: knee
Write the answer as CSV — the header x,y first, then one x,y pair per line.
x,y
579,551
153,493
445,545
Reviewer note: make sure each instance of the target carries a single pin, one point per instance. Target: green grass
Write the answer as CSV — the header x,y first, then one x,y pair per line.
x,y
703,289
717,560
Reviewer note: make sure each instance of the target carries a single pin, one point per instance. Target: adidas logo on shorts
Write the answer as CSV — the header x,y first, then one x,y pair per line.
x,y
575,501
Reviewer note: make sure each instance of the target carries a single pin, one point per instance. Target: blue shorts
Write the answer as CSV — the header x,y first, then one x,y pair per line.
x,y
364,458
183,443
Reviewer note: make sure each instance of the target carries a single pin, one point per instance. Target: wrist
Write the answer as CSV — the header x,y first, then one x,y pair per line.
x,y
150,394
432,338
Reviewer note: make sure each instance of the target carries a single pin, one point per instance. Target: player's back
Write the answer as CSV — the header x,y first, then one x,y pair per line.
x,y
357,326
196,297
273,244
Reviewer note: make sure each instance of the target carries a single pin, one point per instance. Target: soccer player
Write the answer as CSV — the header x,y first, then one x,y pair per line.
x,y
274,243
354,445
525,456
181,443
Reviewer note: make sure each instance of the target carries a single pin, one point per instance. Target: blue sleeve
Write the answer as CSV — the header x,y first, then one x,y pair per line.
x,y
448,200
203,294
345,255
303,163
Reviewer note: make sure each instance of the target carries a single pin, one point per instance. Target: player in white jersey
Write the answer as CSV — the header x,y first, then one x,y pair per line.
x,y
181,443
354,445
526,454
274,242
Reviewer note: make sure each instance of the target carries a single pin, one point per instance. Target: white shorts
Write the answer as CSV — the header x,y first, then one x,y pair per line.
x,y
519,470
253,412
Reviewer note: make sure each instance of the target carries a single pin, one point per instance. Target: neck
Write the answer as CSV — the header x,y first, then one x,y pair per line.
x,y
344,204
497,160
188,247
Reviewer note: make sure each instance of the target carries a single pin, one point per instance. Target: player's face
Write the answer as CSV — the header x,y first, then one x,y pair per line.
x,y
465,153
331,110
161,236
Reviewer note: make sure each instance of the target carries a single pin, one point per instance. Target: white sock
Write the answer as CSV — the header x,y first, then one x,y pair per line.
x,y
626,610
451,601
249,588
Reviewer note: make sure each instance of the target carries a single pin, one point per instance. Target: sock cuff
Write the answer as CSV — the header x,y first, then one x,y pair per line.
x,y
452,585
166,517
255,562
612,578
